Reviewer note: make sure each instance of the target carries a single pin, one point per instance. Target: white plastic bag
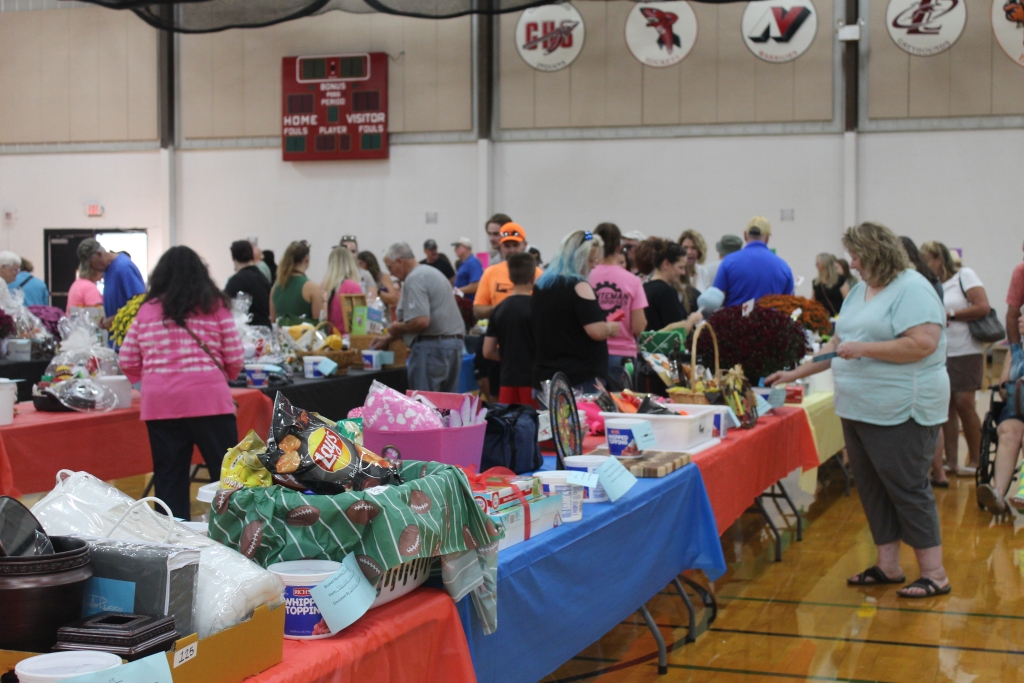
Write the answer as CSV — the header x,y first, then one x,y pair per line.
x,y
230,586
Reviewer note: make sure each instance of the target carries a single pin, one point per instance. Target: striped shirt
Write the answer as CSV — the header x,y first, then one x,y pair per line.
x,y
179,379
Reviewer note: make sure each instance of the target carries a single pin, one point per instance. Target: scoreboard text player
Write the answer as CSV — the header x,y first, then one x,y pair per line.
x,y
335,107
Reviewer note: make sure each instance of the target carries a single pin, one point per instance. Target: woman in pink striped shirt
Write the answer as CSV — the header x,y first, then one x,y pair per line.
x,y
184,346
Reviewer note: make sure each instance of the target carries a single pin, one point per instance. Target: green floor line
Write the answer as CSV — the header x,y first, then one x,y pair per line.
x,y
723,600
858,641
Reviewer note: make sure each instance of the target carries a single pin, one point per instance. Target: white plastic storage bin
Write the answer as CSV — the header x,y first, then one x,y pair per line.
x,y
679,433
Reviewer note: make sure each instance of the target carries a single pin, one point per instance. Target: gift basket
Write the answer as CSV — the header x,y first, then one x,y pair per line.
x,y
322,340
310,492
702,386
73,381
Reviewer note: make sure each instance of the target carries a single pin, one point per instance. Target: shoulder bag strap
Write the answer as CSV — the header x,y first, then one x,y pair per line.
x,y
205,348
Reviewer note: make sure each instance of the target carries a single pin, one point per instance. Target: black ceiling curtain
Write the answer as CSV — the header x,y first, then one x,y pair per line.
x,y
207,16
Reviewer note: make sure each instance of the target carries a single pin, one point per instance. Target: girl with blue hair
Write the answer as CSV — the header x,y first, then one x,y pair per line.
x,y
569,325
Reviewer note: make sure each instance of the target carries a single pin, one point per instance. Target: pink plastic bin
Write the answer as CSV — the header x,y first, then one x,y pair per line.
x,y
454,446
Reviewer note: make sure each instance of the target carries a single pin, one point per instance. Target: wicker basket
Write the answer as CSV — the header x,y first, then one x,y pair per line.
x,y
361,342
689,396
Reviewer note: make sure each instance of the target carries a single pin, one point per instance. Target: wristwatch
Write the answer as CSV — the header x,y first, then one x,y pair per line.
x,y
952,316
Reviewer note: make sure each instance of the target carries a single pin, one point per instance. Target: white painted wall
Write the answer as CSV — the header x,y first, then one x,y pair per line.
x,y
226,195
52,190
958,187
662,187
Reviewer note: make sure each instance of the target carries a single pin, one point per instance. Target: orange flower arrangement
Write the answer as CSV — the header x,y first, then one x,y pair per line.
x,y
814,316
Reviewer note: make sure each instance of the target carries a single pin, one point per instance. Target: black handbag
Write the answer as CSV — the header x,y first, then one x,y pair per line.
x,y
987,330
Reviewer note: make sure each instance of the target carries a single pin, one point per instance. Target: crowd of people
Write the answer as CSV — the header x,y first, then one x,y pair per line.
x,y
907,370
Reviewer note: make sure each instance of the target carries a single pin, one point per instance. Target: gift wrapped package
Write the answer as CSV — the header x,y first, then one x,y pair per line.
x,y
431,514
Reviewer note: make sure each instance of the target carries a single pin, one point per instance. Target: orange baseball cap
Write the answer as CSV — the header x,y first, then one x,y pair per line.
x,y
512,232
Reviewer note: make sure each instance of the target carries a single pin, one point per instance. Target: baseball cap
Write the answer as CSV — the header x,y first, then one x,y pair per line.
x,y
728,244
430,245
512,232
86,249
463,242
759,226
634,235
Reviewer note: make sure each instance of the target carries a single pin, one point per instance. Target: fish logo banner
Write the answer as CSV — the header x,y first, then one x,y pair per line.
x,y
661,34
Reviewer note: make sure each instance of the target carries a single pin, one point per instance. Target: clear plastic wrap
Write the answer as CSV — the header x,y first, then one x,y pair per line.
x,y
230,586
26,324
81,353
83,395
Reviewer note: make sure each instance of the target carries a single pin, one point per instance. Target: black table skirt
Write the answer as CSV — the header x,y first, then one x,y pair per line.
x,y
31,371
333,397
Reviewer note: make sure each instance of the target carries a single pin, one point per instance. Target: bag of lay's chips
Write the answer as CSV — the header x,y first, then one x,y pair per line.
x,y
242,467
311,449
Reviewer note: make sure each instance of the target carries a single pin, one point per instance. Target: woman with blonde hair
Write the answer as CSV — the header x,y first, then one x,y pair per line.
x,y
830,287
698,275
891,392
294,295
965,300
342,278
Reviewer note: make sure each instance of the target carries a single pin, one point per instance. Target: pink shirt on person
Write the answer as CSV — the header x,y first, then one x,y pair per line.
x,y
179,379
1015,295
334,314
83,292
618,289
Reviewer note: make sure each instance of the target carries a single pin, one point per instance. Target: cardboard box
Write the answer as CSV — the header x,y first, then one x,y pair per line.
x,y
230,656
545,514
499,497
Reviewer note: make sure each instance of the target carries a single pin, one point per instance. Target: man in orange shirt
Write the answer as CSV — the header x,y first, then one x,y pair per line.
x,y
496,285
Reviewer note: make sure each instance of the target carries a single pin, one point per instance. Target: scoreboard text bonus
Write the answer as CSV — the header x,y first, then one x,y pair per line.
x,y
335,107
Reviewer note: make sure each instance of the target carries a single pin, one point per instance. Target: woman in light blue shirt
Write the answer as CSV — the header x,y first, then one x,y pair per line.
x,y
892,393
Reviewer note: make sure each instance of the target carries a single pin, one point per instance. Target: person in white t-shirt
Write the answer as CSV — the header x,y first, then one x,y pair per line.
x,y
965,301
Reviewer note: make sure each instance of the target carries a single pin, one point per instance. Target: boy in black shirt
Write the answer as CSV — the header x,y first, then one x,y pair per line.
x,y
510,334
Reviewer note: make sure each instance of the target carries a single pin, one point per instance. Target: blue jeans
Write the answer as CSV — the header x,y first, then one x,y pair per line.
x,y
434,364
615,364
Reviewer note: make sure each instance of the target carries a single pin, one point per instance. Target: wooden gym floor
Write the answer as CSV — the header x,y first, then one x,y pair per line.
x,y
798,621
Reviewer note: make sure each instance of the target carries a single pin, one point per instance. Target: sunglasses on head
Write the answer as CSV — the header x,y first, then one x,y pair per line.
x,y
587,236
348,238
511,233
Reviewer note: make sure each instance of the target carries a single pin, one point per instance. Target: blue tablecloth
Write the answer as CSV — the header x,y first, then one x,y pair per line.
x,y
564,589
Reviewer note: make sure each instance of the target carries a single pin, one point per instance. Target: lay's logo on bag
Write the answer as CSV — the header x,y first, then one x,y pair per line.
x,y
328,451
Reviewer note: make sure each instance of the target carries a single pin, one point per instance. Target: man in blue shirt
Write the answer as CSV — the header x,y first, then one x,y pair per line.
x,y
753,271
17,273
121,278
470,271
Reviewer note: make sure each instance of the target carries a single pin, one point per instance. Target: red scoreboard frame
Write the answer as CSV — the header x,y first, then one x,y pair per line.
x,y
334,107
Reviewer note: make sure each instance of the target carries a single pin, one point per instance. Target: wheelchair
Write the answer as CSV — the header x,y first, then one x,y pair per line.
x,y
986,471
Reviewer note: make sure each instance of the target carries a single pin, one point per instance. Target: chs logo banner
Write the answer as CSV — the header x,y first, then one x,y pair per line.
x,y
661,34
550,37
779,30
925,27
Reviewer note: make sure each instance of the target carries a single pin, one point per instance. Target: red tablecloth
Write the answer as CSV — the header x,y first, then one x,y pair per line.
x,y
748,461
108,445
416,638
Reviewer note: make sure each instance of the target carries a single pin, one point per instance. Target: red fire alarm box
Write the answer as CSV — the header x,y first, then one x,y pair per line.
x,y
335,107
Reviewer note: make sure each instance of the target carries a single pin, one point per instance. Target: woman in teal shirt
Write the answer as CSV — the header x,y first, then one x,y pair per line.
x,y
892,393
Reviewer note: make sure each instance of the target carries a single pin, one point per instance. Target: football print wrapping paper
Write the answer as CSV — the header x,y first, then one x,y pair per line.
x,y
433,514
